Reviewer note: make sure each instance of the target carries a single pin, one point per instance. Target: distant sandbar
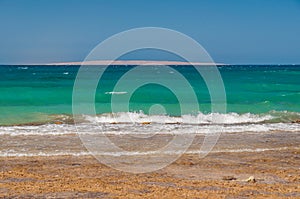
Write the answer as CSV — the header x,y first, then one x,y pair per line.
x,y
134,62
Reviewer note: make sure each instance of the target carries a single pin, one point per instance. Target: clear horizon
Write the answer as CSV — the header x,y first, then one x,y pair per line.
x,y
233,32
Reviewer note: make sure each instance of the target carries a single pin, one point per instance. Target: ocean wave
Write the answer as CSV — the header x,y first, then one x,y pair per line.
x,y
140,123
200,118
116,93
196,119
22,68
144,129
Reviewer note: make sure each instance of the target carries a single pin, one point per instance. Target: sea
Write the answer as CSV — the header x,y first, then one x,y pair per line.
x,y
37,100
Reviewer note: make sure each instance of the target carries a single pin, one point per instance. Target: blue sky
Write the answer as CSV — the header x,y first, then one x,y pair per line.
x,y
232,31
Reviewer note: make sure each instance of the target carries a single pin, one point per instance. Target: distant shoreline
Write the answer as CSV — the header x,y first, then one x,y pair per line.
x,y
122,63
140,62
133,62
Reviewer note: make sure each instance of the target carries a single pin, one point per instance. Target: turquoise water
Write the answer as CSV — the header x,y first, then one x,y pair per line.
x,y
33,94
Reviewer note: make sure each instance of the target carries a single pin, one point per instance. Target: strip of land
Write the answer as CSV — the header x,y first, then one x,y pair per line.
x,y
134,62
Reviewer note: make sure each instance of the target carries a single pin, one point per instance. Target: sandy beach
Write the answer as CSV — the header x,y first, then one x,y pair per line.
x,y
254,165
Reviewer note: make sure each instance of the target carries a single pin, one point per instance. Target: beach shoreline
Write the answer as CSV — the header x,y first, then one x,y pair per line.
x,y
272,173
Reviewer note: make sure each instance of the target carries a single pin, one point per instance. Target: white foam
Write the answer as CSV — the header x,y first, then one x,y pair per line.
x,y
141,129
212,118
115,93
137,153
23,68
139,123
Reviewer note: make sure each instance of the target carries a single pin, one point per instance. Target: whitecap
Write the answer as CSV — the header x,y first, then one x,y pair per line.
x,y
116,93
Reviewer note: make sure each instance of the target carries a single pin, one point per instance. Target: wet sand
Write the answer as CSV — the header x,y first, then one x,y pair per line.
x,y
221,174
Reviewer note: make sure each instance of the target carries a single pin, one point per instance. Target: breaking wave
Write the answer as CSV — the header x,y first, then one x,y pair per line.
x,y
140,123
